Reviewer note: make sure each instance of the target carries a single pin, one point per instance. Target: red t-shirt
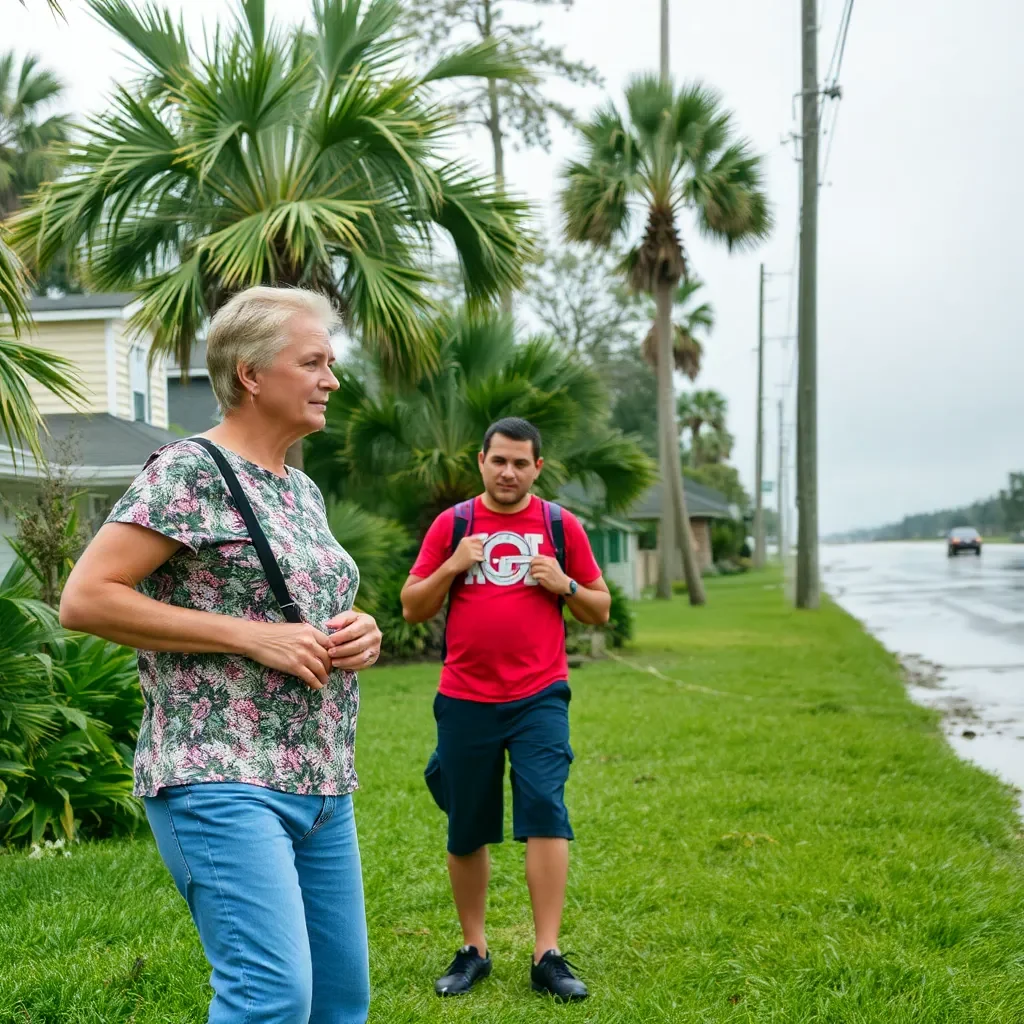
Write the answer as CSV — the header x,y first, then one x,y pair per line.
x,y
506,638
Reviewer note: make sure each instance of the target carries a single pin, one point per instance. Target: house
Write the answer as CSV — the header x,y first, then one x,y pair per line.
x,y
703,504
626,547
192,407
123,419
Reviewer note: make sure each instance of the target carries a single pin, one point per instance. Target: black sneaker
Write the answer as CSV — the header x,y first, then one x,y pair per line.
x,y
553,975
463,972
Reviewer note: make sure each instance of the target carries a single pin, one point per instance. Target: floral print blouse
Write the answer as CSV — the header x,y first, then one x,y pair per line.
x,y
223,717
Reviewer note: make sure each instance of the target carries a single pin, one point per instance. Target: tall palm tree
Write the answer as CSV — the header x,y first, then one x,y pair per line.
x,y
412,453
28,141
288,157
688,322
670,151
697,409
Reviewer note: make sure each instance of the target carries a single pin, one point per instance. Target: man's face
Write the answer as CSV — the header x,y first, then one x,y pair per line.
x,y
509,469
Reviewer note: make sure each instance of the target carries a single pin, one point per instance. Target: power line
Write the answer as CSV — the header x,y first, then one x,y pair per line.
x,y
831,89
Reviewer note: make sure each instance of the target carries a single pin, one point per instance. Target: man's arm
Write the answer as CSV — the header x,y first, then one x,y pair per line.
x,y
592,604
422,598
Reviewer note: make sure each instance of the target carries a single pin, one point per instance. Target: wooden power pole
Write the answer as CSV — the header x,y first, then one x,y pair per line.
x,y
808,590
759,554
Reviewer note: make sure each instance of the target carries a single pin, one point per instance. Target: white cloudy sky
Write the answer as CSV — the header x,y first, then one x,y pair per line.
x,y
920,364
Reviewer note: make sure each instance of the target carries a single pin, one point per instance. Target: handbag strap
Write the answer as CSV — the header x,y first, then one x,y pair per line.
x,y
289,609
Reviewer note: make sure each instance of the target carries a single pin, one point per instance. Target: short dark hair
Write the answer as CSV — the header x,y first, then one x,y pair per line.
x,y
517,430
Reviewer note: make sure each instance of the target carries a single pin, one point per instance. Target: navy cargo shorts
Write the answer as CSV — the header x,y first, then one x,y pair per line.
x,y
466,773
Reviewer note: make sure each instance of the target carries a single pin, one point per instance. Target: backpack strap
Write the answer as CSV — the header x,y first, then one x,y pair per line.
x,y
463,523
556,530
462,526
275,577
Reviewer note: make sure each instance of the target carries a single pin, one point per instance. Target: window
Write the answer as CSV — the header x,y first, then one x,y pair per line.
x,y
139,380
99,508
614,547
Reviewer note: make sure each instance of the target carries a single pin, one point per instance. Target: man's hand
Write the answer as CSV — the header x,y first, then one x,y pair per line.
x,y
354,642
468,553
548,573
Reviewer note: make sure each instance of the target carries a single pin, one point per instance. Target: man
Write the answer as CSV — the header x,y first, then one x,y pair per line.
x,y
504,686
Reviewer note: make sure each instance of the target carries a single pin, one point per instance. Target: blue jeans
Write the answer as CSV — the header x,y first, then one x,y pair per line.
x,y
274,885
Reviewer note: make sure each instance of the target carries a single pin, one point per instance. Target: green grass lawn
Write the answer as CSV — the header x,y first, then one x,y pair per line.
x,y
816,853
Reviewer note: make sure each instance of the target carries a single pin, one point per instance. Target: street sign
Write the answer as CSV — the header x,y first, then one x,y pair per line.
x,y
767,486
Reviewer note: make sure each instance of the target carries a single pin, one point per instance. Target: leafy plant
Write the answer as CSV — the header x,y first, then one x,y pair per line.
x,y
412,453
297,156
69,715
620,620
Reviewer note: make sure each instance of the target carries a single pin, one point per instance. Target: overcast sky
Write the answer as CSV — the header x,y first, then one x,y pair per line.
x,y
920,362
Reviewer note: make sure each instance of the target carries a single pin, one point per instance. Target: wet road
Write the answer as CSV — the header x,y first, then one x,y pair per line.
x,y
958,624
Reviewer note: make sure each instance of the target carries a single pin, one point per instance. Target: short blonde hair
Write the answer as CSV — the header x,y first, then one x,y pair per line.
x,y
251,328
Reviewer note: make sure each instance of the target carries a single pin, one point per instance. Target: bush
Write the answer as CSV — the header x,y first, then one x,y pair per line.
x,y
70,708
727,539
621,620
403,639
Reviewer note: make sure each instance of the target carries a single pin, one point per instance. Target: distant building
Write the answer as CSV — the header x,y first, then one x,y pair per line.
x,y
123,419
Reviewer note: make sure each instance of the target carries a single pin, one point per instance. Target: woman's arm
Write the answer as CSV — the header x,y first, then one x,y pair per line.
x,y
100,598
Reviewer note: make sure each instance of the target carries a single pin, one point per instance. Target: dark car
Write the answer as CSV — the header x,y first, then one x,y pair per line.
x,y
964,538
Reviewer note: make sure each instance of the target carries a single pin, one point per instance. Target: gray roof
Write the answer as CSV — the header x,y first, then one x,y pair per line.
x,y
701,502
105,440
99,300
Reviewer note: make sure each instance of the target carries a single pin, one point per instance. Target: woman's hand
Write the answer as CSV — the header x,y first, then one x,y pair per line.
x,y
354,642
295,648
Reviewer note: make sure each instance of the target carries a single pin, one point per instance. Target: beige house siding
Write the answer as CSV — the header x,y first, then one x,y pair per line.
x,y
158,393
122,352
83,342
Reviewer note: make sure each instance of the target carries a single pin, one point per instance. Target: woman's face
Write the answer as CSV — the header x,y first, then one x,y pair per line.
x,y
295,389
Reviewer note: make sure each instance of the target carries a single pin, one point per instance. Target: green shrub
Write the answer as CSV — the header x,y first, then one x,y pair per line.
x,y
403,639
69,715
621,621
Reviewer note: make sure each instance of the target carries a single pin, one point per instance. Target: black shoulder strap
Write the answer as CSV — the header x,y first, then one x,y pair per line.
x,y
556,527
259,539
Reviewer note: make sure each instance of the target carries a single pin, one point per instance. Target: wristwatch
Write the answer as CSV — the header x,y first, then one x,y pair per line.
x,y
573,587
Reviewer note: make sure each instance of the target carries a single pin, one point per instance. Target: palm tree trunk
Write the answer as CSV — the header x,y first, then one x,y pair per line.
x,y
674,498
666,429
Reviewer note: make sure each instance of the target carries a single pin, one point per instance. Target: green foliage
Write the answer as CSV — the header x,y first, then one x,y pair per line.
x,y
620,626
403,639
290,156
49,537
1011,502
69,715
411,453
28,140
727,538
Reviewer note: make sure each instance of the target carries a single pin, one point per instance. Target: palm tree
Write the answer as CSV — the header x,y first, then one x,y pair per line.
x,y
687,348
412,453
20,420
28,144
670,151
697,409
287,157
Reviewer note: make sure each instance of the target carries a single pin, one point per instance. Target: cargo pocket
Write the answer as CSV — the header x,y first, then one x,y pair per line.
x,y
432,777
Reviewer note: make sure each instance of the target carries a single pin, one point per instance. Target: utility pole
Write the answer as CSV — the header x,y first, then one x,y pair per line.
x,y
808,591
664,41
759,558
780,485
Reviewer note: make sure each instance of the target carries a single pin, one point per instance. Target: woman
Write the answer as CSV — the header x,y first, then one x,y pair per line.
x,y
245,753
